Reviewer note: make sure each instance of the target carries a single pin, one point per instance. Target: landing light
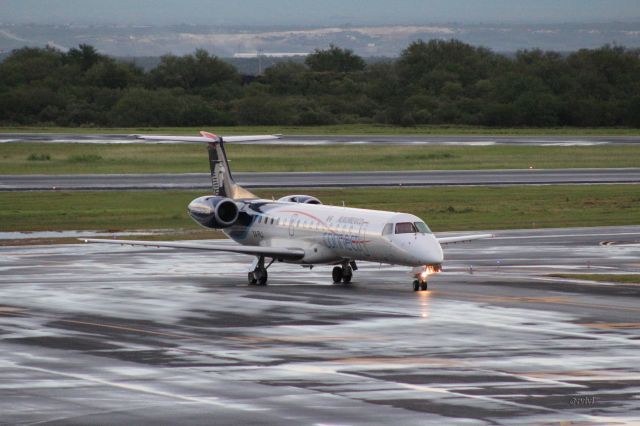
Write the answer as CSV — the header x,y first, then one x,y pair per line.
x,y
429,270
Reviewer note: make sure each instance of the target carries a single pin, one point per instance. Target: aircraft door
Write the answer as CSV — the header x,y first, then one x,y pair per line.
x,y
292,225
362,238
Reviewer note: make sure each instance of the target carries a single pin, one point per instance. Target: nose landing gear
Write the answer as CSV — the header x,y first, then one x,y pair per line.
x,y
419,285
422,273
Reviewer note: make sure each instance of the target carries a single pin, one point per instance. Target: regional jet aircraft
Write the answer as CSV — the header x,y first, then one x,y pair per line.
x,y
300,229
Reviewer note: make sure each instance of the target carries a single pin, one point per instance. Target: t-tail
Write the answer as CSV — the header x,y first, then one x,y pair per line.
x,y
222,181
221,178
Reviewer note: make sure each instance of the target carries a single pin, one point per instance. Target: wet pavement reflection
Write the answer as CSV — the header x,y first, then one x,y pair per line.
x,y
112,335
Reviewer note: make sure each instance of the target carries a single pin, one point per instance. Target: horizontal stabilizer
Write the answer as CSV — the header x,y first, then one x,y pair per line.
x,y
203,139
280,253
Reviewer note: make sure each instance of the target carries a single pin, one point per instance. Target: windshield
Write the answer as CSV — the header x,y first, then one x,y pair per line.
x,y
422,228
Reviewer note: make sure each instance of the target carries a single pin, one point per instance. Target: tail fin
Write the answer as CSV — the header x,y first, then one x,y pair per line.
x,y
221,178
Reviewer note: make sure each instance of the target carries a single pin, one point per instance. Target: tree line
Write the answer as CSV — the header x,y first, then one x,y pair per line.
x,y
434,82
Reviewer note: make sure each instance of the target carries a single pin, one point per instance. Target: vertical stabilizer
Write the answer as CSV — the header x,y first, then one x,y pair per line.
x,y
221,179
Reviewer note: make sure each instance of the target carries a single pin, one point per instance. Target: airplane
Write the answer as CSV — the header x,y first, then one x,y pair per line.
x,y
299,229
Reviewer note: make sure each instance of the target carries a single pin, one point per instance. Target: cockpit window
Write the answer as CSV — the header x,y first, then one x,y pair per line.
x,y
405,228
388,229
422,228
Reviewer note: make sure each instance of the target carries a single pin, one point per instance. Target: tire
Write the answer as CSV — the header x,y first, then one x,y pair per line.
x,y
416,285
252,278
347,278
423,286
263,277
337,274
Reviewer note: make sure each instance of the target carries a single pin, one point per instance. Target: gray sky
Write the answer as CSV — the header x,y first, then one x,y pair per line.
x,y
315,12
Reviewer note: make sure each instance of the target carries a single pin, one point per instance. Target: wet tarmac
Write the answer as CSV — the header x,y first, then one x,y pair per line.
x,y
93,334
26,235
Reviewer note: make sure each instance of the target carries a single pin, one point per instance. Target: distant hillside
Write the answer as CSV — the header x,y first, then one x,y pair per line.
x,y
139,41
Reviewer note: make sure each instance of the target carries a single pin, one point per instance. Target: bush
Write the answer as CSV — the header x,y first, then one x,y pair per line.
x,y
434,82
38,157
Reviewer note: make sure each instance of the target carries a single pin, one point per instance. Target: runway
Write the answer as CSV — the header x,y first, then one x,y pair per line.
x,y
322,179
94,334
470,140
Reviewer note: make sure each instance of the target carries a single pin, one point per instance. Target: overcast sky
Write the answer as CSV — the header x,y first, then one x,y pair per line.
x,y
315,12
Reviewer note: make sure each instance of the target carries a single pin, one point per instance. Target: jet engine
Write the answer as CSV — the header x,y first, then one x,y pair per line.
x,y
214,211
303,199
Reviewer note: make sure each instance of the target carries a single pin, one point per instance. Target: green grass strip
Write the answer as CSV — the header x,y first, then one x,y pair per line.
x,y
443,208
39,158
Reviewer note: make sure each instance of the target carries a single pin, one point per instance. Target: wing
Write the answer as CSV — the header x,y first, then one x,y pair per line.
x,y
280,253
204,139
463,238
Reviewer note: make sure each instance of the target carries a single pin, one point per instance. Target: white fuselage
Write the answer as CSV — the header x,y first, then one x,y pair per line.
x,y
330,234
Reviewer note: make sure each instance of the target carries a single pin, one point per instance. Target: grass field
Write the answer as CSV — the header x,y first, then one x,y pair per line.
x,y
344,129
40,158
444,209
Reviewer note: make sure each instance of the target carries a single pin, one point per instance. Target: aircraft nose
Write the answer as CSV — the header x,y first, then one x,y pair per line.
x,y
430,251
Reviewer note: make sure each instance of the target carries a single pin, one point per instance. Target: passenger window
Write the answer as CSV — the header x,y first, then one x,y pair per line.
x,y
405,228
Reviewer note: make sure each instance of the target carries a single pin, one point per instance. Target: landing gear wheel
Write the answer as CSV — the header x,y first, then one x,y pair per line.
x,y
347,275
263,277
423,286
416,285
259,274
337,274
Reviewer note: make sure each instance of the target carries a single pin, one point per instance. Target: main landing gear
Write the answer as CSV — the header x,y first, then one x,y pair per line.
x,y
344,273
259,274
419,285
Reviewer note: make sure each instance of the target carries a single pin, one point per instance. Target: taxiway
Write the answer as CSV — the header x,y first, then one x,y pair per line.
x,y
322,179
93,334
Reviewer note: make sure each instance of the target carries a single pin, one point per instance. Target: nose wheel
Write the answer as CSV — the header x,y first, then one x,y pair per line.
x,y
419,285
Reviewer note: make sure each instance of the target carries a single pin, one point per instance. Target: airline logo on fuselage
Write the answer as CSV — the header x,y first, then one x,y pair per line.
x,y
351,220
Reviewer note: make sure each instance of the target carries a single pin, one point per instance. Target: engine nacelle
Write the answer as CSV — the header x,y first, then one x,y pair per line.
x,y
213,211
303,199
